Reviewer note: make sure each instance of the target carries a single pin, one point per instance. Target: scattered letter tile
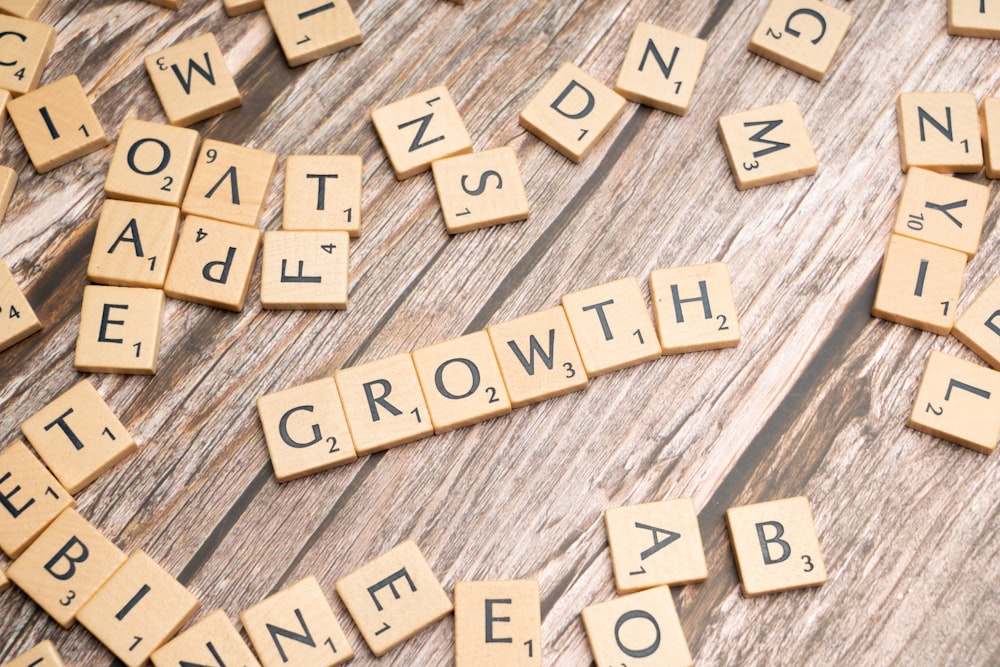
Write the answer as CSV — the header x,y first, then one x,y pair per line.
x,y
4,582
939,131
42,655
498,624
989,118
17,319
238,7
305,270
8,180
5,97
694,308
133,244
230,183
310,29
979,325
323,193
767,145
29,9
974,18
30,498
480,189
25,52
119,330
211,641
642,628
661,68
152,163
192,81
802,35
943,210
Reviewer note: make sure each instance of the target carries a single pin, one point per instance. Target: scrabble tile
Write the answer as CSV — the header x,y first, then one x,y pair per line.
x,y
461,381
119,330
238,7
137,610
8,181
767,145
498,624
26,51
989,120
420,129
230,183
78,436
4,581
942,210
383,403
297,626
939,131
29,9
661,68
973,18
57,124
919,285
42,655
305,270
17,319
959,401
802,35
65,566
152,162
775,546
192,81
611,326
31,498
393,597
310,29
480,189
133,244
538,357
5,97
572,111
213,640
694,308
654,544
979,325
323,193
642,628
213,263
305,429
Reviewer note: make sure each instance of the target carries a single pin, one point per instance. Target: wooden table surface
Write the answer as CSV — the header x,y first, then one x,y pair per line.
x,y
812,402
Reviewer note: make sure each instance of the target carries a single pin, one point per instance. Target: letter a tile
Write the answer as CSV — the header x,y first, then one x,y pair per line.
x,y
310,29
17,319
134,244
30,498
979,325
767,145
192,81
211,641
498,624
661,68
694,308
42,655
940,132
230,183
974,18
802,35
25,52
119,330
638,629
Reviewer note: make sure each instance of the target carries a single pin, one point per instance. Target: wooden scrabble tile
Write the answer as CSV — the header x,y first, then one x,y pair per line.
x,y
461,381
26,51
420,129
323,193
611,326
137,610
213,640
31,498
802,35
538,356
5,97
572,111
655,544
230,183
919,285
979,325
642,628
943,210
57,124
17,319
498,624
767,145
119,330
78,436
8,181
480,189
694,308
393,597
383,403
939,131
4,581
152,162
238,7
305,270
661,68
305,429
192,81
65,566
959,401
989,120
42,655
775,546
310,29
297,626
133,244
213,263
29,9
973,18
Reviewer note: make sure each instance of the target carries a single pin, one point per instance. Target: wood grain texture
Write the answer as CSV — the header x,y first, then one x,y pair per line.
x,y
812,402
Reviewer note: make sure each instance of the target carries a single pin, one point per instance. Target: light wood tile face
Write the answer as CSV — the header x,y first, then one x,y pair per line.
x,y
239,7
498,624
802,35
461,381
310,29
134,244
42,655
959,401
989,120
919,285
192,81
65,566
152,163
137,610
480,189
775,546
119,330
323,193
17,319
5,97
57,124
974,18
306,429
979,325
939,131
32,498
639,629
694,308
767,145
572,111
24,52
211,641
942,210
29,9
393,597
611,326
230,183
78,436
305,270
420,129
661,68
